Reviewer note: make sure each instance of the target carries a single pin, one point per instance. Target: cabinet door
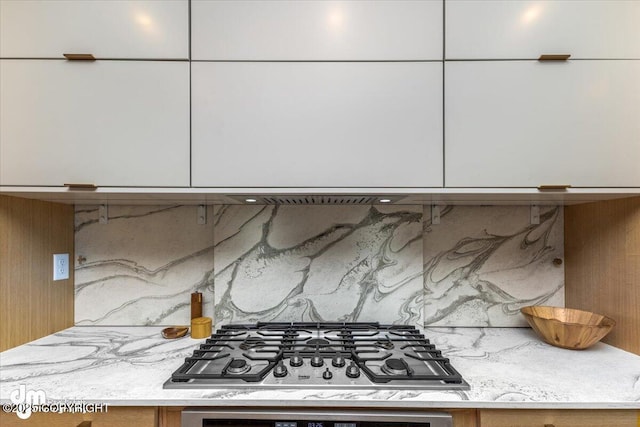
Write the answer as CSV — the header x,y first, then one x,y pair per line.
x,y
527,123
499,29
316,30
103,416
558,418
109,123
105,28
317,124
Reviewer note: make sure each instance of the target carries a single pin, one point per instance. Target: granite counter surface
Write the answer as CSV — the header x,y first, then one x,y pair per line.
x,y
505,367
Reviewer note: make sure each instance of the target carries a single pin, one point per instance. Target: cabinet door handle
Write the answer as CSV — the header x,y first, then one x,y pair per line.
x,y
556,187
553,57
79,56
546,425
88,424
81,186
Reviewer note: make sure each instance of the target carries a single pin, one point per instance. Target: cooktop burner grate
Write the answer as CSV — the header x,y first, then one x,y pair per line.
x,y
317,355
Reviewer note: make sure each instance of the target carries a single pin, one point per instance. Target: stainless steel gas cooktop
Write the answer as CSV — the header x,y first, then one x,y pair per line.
x,y
317,355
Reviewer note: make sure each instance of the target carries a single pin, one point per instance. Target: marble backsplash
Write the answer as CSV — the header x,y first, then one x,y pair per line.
x,y
482,264
317,263
141,267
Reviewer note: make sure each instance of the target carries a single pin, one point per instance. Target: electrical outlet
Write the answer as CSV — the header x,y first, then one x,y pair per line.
x,y
60,266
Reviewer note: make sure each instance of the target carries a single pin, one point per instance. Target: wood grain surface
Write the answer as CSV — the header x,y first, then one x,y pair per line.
x,y
558,418
112,416
602,254
567,327
32,305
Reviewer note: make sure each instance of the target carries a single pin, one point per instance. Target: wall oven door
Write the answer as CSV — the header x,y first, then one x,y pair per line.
x,y
215,417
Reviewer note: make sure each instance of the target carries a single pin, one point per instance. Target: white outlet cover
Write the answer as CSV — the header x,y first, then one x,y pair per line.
x,y
60,266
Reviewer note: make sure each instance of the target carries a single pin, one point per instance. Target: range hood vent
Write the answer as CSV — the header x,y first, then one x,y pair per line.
x,y
318,200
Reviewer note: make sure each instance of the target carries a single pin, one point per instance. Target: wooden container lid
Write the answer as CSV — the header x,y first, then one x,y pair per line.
x,y
200,327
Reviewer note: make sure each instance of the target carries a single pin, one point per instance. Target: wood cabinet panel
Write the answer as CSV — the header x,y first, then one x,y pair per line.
x,y
602,265
558,418
464,417
31,304
120,416
169,416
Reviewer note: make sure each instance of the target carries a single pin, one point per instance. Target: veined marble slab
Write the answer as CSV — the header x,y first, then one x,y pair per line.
x,y
141,267
478,267
505,367
318,263
484,263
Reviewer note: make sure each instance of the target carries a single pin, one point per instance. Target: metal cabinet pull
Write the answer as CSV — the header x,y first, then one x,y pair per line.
x,y
553,57
79,56
81,186
553,187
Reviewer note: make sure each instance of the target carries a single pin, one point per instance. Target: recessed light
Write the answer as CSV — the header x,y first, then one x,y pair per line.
x,y
250,200
385,200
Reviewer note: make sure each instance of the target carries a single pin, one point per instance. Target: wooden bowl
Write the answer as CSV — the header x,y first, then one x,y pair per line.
x,y
567,327
175,332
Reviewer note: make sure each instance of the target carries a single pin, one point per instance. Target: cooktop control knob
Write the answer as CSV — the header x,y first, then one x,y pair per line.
x,y
296,360
280,370
353,371
327,375
317,361
338,361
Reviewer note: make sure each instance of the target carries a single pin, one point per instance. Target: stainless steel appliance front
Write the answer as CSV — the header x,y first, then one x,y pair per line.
x,y
317,355
212,417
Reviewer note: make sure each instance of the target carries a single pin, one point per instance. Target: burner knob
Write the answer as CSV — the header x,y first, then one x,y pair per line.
x,y
353,371
338,361
280,370
296,360
317,361
327,375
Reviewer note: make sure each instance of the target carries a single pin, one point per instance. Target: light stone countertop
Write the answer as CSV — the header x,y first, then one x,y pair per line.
x,y
505,367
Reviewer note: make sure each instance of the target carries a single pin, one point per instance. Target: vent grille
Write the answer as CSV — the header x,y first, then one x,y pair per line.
x,y
319,200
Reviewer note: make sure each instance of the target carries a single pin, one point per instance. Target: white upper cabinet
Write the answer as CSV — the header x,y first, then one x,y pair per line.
x,y
317,124
528,123
510,29
108,123
316,30
133,29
